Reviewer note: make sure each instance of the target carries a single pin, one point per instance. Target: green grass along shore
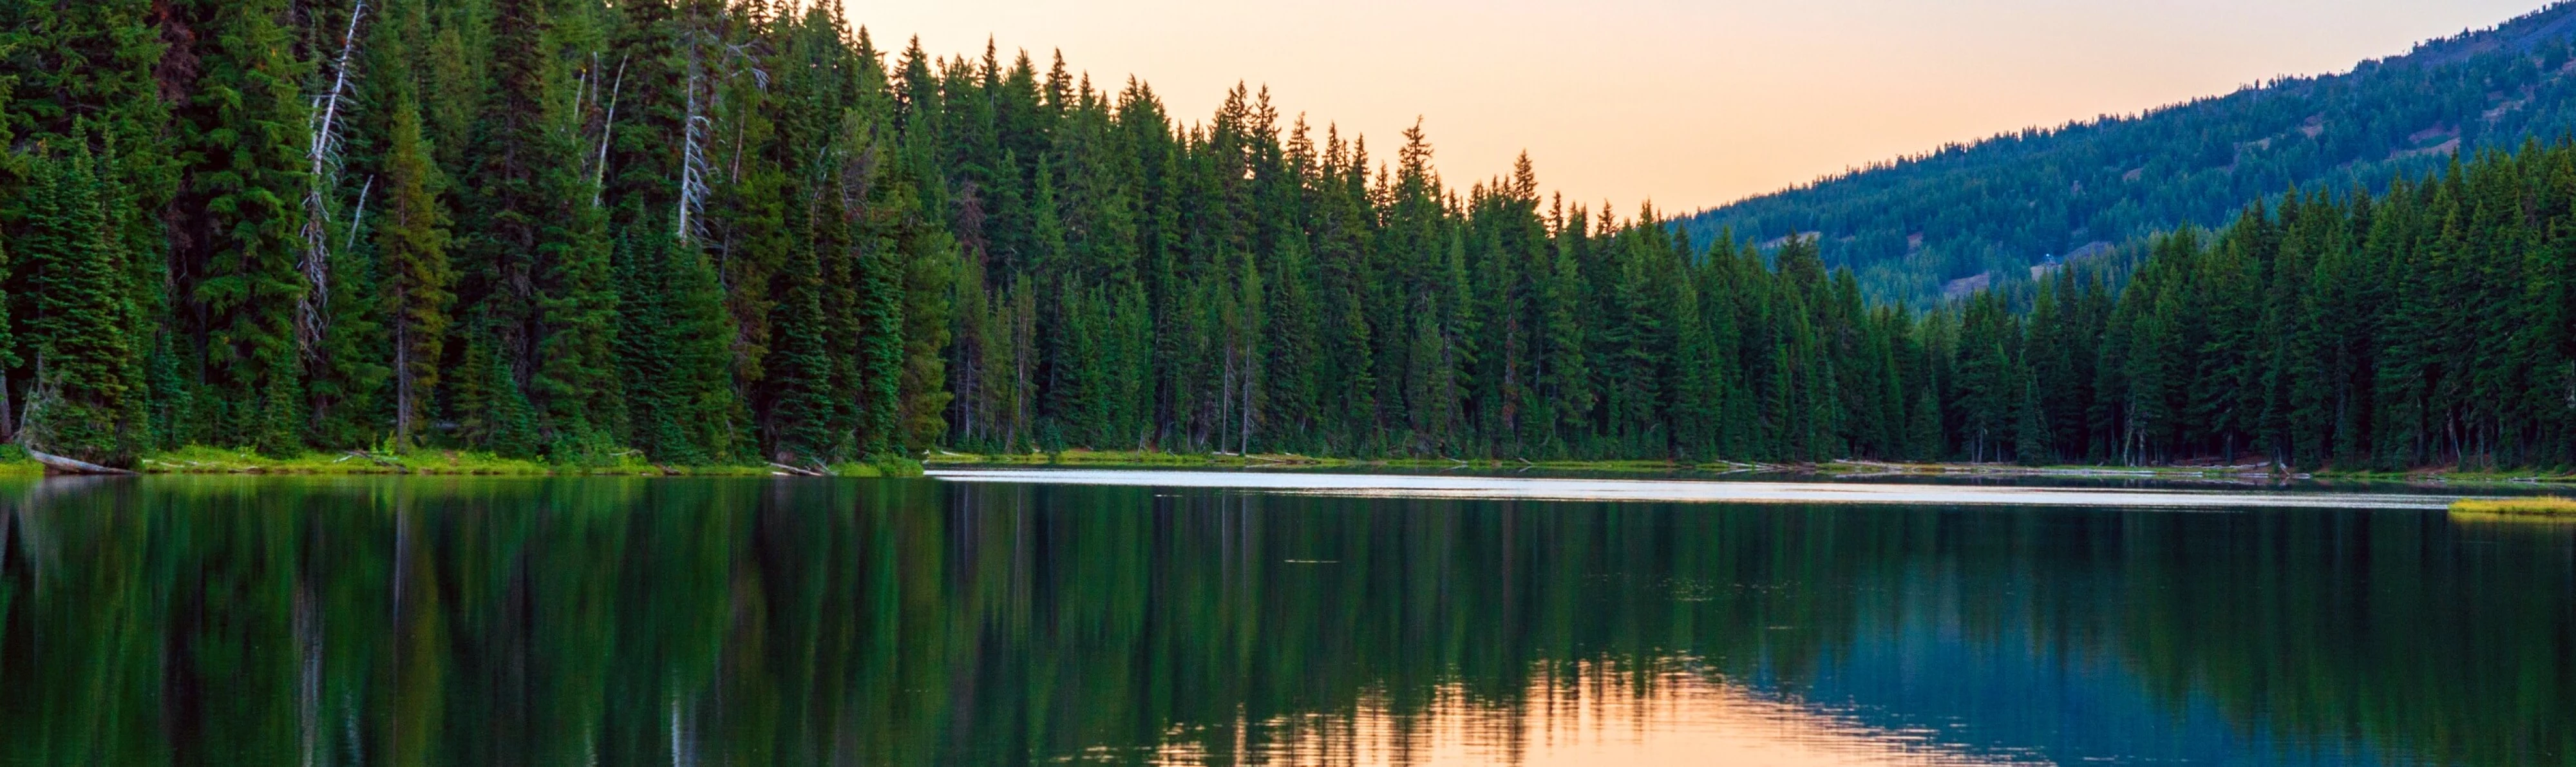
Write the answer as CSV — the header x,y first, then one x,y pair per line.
x,y
2544,507
209,460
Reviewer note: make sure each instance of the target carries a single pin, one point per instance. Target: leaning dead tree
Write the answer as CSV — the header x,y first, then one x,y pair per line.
x,y
711,62
55,464
695,127
32,434
324,153
589,92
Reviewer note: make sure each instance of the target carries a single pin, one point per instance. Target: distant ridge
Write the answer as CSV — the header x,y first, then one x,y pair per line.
x,y
1998,210
2525,34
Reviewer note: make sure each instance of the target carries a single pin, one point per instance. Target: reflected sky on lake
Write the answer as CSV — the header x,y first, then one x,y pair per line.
x,y
1670,715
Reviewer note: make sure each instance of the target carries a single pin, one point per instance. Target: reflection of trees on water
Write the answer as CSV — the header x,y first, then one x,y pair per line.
x,y
463,621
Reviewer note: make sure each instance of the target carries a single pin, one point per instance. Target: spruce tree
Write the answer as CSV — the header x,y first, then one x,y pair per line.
x,y
417,286
496,414
1698,411
800,368
672,344
929,263
2030,436
84,359
242,128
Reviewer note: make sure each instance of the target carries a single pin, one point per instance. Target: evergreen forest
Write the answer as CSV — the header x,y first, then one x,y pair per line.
x,y
707,231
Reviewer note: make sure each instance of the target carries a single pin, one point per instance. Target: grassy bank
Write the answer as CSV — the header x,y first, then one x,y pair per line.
x,y
2537,507
210,460
15,463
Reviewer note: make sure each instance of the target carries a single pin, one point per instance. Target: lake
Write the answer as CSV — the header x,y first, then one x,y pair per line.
x,y
1011,617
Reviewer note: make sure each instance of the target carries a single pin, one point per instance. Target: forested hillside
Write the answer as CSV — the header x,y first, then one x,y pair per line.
x,y
717,231
1922,228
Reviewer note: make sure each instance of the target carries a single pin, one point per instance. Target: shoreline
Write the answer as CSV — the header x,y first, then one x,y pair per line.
x,y
217,461
1840,469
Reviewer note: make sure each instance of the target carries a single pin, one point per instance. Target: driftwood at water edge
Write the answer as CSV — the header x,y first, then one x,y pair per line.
x,y
55,464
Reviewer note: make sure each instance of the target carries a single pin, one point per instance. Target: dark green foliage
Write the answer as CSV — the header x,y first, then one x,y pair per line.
x,y
242,126
82,399
498,416
801,416
417,281
672,338
2425,327
722,231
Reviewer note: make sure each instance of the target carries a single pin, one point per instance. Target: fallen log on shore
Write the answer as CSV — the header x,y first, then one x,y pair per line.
x,y
55,464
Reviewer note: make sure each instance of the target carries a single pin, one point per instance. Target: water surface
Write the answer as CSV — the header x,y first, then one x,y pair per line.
x,y
1064,619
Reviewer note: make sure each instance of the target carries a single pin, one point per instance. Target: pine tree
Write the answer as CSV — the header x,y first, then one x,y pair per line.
x,y
672,344
800,368
529,265
352,363
84,359
1698,411
1924,427
497,416
1564,374
2030,436
577,370
928,269
241,131
412,248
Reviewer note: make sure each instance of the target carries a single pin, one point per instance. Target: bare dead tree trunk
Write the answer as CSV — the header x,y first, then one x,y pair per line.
x,y
311,308
358,217
607,130
55,464
693,160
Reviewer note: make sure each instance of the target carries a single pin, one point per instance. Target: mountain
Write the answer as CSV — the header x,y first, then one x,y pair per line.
x,y
1988,213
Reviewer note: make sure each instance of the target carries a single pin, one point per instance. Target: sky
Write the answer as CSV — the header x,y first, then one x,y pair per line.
x,y
1685,104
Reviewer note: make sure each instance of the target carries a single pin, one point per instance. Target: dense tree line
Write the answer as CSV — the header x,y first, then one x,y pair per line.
x,y
725,230
1999,206
532,226
2430,325
722,231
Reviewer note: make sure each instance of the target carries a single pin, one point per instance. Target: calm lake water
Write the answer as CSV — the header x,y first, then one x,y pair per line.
x,y
1009,618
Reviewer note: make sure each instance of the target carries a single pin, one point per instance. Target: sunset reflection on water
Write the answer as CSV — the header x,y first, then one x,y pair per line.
x,y
1591,714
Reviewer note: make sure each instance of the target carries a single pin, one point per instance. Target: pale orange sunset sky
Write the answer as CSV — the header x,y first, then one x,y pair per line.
x,y
1689,104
